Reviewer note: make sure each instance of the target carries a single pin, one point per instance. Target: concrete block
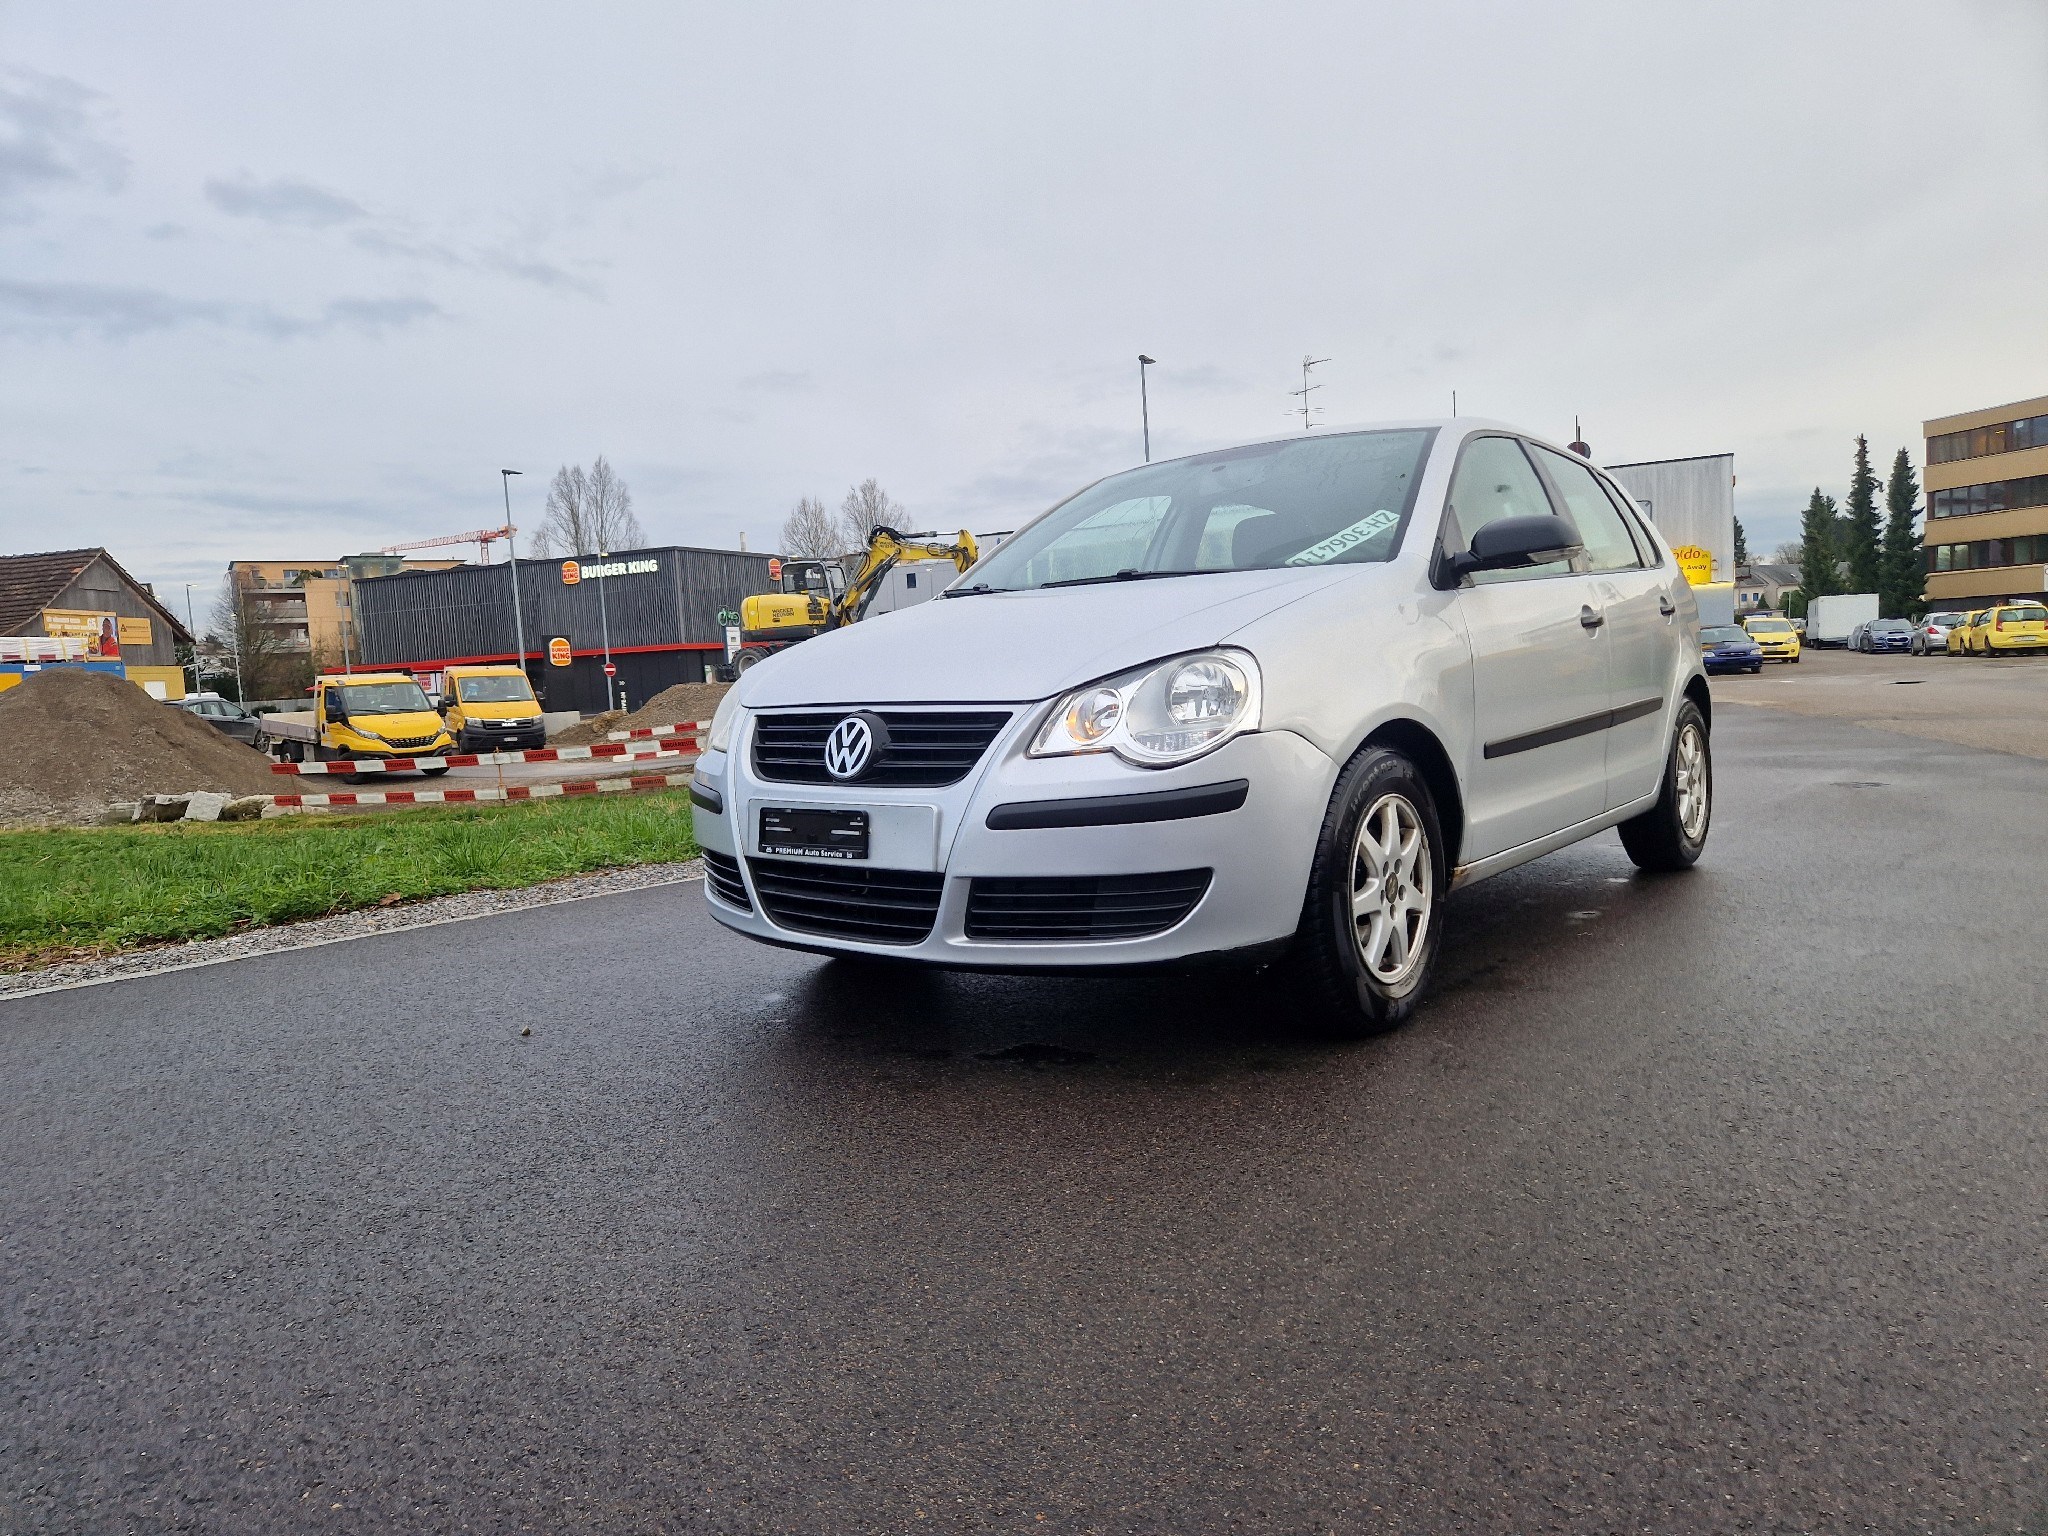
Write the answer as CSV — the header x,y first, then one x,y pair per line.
x,y
162,808
204,805
120,813
245,808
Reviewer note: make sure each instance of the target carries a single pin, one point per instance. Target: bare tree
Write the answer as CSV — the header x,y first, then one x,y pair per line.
x,y
268,657
1789,552
588,511
809,530
867,507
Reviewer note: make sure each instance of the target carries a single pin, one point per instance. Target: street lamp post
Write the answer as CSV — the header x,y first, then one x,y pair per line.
x,y
192,628
1144,404
605,622
512,554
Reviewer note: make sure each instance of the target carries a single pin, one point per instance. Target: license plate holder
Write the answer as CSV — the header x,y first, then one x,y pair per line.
x,y
786,832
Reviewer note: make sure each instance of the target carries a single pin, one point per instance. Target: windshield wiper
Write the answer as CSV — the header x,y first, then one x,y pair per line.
x,y
974,591
1124,575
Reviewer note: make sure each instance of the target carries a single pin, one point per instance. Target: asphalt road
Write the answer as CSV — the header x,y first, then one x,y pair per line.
x,y
1705,1203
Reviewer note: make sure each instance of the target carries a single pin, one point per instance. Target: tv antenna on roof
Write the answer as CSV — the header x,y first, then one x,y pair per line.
x,y
1305,410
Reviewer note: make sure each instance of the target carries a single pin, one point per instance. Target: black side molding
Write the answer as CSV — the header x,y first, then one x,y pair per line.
x,y
1121,810
1585,725
702,794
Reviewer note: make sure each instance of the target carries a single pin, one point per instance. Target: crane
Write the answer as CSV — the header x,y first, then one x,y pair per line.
x,y
482,538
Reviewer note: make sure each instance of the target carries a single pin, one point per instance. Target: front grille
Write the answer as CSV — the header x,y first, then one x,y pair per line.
x,y
926,750
410,743
880,906
1042,909
722,874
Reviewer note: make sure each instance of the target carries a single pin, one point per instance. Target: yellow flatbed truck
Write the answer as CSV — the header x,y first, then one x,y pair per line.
x,y
355,716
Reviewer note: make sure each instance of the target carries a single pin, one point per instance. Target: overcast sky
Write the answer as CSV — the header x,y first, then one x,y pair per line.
x,y
291,281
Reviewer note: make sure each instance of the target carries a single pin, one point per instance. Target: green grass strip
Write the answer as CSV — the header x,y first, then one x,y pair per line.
x,y
70,893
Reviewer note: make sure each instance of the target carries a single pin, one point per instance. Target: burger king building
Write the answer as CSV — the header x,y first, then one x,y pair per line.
x,y
659,607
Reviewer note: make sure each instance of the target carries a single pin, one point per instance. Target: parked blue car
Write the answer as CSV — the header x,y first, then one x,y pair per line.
x,y
1880,635
1725,648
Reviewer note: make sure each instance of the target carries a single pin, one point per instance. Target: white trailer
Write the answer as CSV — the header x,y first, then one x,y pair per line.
x,y
1829,619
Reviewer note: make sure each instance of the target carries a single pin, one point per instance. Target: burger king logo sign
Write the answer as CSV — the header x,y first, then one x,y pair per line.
x,y
571,573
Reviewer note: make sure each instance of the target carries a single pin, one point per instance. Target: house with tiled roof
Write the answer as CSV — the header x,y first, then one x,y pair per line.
x,y
85,595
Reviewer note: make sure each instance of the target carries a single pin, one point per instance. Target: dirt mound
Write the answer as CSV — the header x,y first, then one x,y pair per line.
x,y
671,706
73,741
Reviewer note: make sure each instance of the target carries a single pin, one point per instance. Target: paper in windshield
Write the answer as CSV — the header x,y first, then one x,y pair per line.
x,y
1345,539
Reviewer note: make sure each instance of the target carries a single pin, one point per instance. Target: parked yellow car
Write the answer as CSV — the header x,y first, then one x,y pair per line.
x,y
1959,632
1776,637
2008,628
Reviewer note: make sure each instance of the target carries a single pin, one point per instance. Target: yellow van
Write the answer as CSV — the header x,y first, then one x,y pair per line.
x,y
491,709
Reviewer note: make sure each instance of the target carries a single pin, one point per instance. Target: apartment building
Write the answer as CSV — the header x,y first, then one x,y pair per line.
x,y
307,606
1987,505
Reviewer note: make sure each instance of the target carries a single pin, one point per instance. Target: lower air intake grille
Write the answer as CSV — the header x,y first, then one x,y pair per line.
x,y
1083,907
877,906
722,874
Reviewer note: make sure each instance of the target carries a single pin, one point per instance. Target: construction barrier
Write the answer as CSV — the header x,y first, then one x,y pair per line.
x,y
602,750
509,792
647,732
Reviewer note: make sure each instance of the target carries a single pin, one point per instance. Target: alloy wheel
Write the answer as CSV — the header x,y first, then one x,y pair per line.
x,y
1393,883
1692,783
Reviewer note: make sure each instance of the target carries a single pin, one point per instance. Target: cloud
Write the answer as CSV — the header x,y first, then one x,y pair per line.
x,y
64,309
283,201
49,137
526,269
778,381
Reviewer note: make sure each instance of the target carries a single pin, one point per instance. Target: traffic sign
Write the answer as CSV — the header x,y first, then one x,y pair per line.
x,y
610,670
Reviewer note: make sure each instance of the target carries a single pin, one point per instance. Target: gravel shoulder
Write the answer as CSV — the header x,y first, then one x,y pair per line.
x,y
342,926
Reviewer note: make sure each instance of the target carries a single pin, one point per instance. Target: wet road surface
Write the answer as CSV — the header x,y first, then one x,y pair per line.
x,y
1708,1203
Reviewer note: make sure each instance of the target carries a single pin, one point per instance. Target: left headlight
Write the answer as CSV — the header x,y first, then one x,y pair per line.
x,y
1158,715
723,719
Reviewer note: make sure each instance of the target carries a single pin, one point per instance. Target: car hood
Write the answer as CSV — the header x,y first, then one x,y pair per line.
x,y
1014,647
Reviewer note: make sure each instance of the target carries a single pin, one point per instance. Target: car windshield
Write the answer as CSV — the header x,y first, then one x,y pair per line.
x,y
1719,633
1339,500
1770,627
383,698
495,690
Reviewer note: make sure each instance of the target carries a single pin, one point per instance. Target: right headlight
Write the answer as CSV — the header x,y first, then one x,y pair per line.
x,y
723,719
1158,715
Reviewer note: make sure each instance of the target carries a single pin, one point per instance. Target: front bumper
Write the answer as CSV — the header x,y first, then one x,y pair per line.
x,y
1258,854
471,740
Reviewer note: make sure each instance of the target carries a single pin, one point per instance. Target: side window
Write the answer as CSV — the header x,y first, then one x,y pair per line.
x,y
1495,480
1609,547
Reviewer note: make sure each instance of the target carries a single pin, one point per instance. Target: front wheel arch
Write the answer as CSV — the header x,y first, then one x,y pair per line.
x,y
1419,744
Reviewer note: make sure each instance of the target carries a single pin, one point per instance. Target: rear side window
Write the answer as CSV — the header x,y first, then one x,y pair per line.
x,y
1495,480
1609,545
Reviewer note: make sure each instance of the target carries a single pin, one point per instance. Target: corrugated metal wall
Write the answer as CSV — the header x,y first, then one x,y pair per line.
x,y
436,615
1692,501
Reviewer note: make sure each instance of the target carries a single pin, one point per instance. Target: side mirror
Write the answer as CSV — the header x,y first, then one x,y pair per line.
x,y
1515,543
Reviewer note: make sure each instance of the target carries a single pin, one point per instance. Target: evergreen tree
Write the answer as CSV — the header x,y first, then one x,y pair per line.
x,y
1741,545
1817,577
1861,551
1905,574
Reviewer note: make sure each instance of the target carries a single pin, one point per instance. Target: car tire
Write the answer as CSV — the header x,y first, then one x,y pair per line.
x,y
1670,835
435,773
1380,867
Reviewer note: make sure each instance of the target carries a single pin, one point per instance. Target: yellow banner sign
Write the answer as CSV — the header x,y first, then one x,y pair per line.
x,y
136,632
99,631
1696,563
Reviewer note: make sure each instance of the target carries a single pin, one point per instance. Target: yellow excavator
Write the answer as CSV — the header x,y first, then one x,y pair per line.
x,y
813,596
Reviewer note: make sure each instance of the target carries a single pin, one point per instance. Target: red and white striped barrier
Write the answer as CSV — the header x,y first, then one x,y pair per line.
x,y
618,785
602,750
649,732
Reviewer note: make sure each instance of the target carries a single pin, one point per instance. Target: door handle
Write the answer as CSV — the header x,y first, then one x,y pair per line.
x,y
1664,605
1589,619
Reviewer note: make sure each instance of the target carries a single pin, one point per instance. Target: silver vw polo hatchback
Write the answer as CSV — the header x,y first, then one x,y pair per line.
x,y
1269,703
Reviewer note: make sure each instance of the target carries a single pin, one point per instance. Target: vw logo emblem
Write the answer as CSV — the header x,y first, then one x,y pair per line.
x,y
852,746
